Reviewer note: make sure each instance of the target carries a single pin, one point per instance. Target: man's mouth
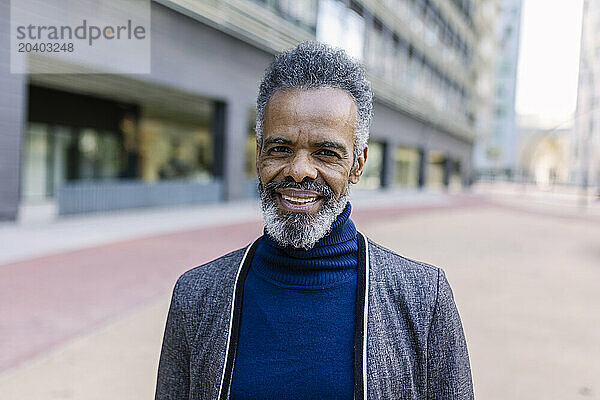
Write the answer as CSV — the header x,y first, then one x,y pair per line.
x,y
299,200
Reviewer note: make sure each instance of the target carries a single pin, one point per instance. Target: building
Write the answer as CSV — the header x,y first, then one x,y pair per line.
x,y
183,133
496,152
542,153
585,150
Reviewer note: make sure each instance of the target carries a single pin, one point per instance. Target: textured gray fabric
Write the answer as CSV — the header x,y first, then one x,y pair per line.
x,y
195,339
415,343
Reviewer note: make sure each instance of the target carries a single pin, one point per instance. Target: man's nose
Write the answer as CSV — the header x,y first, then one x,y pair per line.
x,y
301,167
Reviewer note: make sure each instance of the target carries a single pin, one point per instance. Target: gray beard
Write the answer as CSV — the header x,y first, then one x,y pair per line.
x,y
296,229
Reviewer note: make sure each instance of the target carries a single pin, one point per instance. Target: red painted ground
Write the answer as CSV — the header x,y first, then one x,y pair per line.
x,y
48,300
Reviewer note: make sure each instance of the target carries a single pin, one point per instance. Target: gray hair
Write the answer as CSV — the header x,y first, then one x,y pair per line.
x,y
312,65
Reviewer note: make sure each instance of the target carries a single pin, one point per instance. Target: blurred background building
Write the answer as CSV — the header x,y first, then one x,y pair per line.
x,y
76,143
585,150
542,154
495,153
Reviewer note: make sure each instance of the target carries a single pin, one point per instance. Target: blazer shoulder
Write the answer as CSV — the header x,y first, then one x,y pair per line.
x,y
394,262
219,270
413,284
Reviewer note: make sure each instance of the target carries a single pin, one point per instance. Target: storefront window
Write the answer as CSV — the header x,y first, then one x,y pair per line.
x,y
35,162
98,155
63,141
174,150
435,169
371,178
406,161
56,154
455,181
251,146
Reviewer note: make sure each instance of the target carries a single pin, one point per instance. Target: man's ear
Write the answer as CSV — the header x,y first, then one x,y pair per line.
x,y
359,166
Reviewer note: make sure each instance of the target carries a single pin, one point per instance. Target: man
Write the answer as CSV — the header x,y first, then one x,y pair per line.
x,y
313,309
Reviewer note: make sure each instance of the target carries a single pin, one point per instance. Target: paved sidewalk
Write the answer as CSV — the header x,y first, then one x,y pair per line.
x,y
136,257
87,323
35,239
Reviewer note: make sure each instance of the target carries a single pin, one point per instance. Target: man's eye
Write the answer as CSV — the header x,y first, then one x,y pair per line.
x,y
280,149
328,153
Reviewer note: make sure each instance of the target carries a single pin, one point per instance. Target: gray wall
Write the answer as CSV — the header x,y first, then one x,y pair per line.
x,y
193,57
399,129
104,196
12,115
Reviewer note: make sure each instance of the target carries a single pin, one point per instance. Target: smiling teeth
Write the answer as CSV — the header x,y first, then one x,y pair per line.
x,y
298,200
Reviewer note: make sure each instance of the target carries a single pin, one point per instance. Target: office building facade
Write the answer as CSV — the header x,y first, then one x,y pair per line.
x,y
496,151
183,133
585,150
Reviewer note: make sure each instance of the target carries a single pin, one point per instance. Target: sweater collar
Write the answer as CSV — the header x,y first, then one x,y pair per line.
x,y
332,259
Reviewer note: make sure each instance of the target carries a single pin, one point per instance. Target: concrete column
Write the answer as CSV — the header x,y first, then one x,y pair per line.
x,y
466,171
13,106
387,165
218,139
234,149
447,170
422,167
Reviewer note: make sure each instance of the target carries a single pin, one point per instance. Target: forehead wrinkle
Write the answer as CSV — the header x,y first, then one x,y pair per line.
x,y
315,135
311,100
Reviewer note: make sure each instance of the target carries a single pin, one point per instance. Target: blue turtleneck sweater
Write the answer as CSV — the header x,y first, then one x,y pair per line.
x,y
297,326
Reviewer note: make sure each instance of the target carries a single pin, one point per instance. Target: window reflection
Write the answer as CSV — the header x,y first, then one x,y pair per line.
x,y
371,177
174,150
406,161
35,162
435,169
340,26
160,145
251,146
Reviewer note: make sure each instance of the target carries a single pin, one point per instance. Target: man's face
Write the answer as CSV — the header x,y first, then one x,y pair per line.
x,y
306,162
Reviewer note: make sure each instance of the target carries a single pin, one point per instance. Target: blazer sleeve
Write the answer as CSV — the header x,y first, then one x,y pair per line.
x,y
448,367
173,380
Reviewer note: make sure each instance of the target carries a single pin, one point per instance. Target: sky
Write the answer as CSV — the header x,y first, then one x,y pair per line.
x,y
549,60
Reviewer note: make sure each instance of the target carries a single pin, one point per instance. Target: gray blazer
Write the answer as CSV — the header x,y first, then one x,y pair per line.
x,y
409,341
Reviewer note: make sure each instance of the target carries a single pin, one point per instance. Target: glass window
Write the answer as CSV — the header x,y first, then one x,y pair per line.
x,y
435,169
36,162
251,146
174,150
414,72
340,26
406,161
98,155
61,162
416,22
401,64
371,178
388,56
455,181
375,49
302,12
431,27
55,154
427,82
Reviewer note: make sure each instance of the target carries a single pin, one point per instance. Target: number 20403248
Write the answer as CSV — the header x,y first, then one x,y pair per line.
x,y
45,47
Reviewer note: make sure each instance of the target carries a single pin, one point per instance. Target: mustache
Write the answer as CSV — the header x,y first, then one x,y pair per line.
x,y
313,185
